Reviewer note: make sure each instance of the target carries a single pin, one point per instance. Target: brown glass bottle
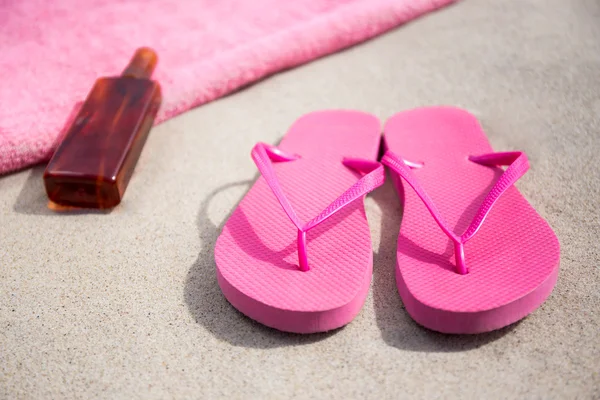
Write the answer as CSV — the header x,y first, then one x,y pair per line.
x,y
94,162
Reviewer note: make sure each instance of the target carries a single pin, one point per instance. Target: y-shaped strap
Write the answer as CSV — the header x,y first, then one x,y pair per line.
x,y
264,155
517,166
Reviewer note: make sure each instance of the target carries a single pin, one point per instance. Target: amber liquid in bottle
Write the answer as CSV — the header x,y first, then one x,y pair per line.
x,y
94,162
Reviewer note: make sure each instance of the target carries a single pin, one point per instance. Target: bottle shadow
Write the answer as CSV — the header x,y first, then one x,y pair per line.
x,y
396,326
209,307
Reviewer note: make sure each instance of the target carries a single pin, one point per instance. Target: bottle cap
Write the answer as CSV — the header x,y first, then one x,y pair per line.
x,y
142,63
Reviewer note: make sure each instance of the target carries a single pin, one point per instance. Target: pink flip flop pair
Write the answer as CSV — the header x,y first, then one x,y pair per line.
x,y
296,253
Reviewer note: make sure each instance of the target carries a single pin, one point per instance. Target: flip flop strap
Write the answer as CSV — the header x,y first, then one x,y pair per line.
x,y
265,155
517,166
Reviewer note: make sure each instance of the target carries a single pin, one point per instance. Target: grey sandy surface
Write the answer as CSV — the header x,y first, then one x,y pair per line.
x,y
125,304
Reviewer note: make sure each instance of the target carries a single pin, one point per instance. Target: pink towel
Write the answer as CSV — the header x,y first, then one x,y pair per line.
x,y
52,51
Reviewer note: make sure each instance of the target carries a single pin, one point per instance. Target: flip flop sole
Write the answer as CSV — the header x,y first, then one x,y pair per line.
x,y
513,259
256,254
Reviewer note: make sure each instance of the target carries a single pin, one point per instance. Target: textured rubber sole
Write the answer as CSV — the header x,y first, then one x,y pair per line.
x,y
474,322
513,259
256,254
295,321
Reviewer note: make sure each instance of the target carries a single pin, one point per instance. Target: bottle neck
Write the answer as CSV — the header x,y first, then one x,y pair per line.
x,y
142,64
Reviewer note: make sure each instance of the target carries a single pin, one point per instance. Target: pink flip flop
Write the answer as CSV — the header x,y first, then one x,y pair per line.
x,y
504,265
310,276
